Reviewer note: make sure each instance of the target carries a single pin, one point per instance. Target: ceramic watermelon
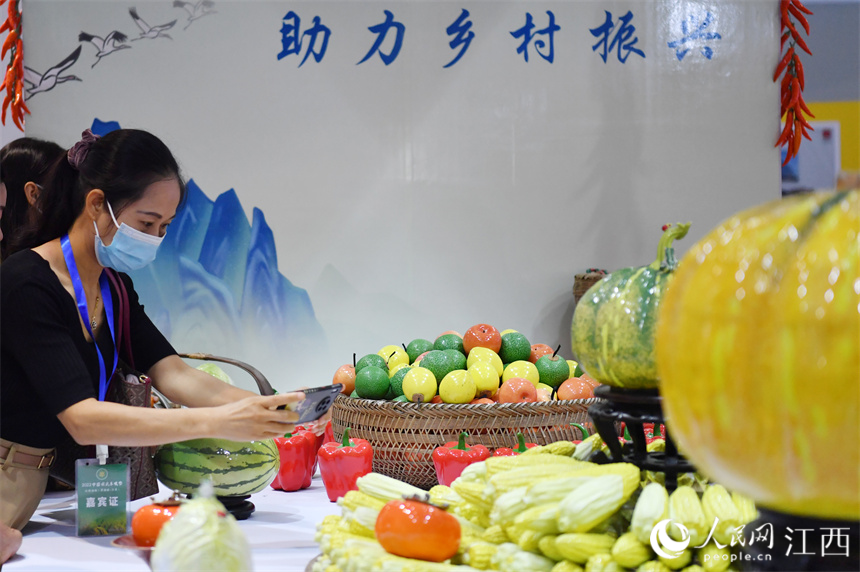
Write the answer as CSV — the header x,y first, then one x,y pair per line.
x,y
235,468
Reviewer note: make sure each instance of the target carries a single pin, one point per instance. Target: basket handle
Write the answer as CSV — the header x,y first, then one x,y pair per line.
x,y
262,383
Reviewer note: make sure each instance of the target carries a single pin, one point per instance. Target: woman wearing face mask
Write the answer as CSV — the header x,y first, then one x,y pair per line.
x,y
24,164
108,204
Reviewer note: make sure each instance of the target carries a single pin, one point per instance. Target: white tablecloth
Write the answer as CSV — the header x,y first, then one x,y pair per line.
x,y
280,532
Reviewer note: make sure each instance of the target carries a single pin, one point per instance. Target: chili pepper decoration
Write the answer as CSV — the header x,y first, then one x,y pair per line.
x,y
298,461
582,431
792,107
342,463
13,79
522,447
454,456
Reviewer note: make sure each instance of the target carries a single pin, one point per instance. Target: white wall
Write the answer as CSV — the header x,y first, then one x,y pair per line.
x,y
411,199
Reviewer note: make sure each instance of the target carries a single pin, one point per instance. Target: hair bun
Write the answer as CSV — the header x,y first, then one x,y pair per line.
x,y
78,153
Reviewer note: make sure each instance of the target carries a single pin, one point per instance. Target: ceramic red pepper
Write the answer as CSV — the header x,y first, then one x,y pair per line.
x,y
328,437
625,432
648,428
298,459
651,434
342,463
319,440
521,448
451,458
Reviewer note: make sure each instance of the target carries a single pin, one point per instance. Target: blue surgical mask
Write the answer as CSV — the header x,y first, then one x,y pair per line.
x,y
129,250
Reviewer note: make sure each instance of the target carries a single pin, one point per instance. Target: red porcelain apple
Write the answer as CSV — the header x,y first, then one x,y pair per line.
x,y
482,336
517,390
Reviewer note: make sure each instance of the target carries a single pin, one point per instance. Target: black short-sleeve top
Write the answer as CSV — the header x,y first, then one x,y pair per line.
x,y
46,363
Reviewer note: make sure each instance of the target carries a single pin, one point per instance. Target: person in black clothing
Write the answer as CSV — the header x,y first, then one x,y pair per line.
x,y
24,165
10,538
108,203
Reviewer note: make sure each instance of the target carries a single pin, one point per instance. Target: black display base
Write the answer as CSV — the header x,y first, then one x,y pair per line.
x,y
635,407
802,543
238,506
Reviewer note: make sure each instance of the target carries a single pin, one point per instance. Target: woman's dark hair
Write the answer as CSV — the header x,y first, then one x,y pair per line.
x,y
123,164
21,161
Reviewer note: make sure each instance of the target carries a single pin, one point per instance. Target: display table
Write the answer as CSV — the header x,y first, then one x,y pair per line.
x,y
280,532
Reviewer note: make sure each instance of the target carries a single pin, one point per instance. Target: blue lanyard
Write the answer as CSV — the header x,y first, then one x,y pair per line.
x,y
81,299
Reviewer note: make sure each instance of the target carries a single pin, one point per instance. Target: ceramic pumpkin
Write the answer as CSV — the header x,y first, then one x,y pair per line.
x,y
613,327
758,349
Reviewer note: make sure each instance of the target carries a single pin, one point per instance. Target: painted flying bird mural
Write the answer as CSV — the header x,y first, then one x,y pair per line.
x,y
113,42
147,31
195,10
40,82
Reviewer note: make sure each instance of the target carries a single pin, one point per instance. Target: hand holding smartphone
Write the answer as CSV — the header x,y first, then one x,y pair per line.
x,y
317,401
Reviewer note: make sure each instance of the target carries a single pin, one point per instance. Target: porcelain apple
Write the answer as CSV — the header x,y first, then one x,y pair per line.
x,y
523,369
517,390
553,369
482,335
345,375
485,354
539,350
486,378
457,387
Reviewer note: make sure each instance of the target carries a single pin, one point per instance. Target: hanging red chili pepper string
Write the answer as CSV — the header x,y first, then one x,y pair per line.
x,y
792,106
13,80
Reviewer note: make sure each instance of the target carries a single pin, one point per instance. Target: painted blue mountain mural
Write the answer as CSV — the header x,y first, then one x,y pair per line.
x,y
215,286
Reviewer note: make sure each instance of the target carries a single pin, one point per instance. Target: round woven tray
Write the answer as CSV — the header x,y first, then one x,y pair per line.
x,y
404,435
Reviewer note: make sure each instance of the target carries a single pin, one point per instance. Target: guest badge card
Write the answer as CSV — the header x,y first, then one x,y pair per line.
x,y
102,492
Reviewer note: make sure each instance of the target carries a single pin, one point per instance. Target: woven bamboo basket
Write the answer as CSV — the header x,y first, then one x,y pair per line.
x,y
404,435
582,282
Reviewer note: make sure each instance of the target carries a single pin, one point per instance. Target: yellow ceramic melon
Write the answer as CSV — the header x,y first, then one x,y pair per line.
x,y
758,352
